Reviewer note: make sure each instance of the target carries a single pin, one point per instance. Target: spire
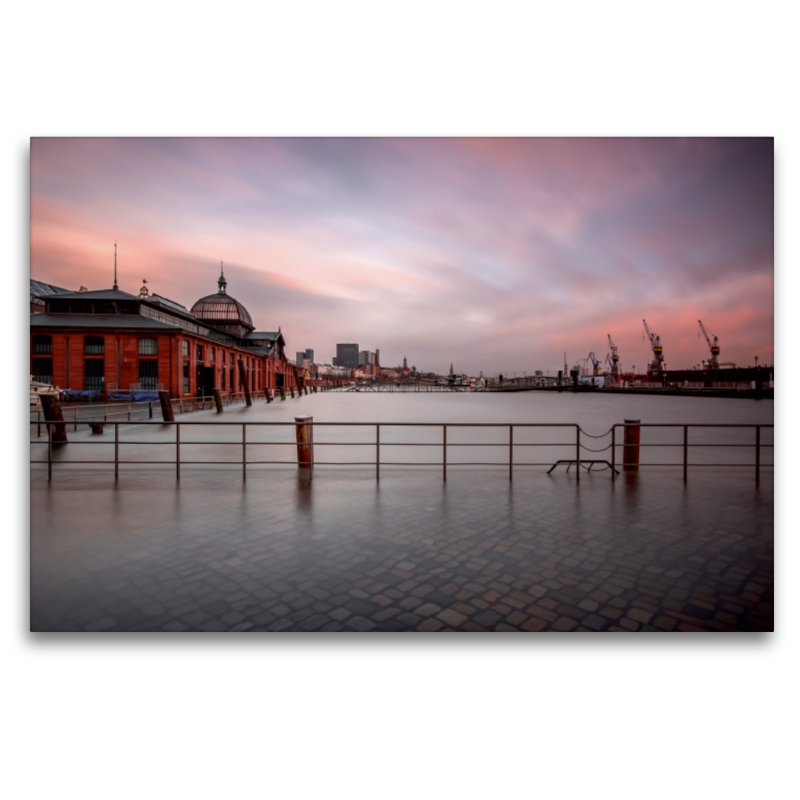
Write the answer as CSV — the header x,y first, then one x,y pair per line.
x,y
115,265
451,370
222,283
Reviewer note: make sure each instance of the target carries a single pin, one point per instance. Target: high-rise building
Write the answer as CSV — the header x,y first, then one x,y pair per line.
x,y
305,355
346,356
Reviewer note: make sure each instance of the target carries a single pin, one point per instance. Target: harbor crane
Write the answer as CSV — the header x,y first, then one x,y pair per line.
x,y
614,360
657,364
713,345
595,363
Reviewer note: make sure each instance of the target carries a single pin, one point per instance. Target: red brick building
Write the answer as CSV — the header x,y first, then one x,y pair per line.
x,y
109,341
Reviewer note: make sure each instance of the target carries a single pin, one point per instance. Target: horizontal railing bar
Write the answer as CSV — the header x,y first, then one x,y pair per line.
x,y
450,464
388,444
695,425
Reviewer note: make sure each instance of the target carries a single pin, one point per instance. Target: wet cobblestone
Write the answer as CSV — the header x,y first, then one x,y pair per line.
x,y
410,553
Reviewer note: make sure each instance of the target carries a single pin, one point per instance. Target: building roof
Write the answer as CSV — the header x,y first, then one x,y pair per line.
x,y
271,336
38,288
119,321
165,301
98,294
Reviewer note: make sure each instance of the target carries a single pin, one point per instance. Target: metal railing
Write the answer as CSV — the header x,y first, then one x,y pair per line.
x,y
441,445
684,444
82,415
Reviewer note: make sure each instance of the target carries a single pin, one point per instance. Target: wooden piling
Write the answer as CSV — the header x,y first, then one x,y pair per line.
x,y
54,415
245,383
218,400
166,407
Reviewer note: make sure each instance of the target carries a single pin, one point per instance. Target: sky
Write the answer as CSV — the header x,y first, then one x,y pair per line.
x,y
496,255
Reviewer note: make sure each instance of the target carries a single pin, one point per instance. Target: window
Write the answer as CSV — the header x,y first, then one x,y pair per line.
x,y
185,349
94,345
213,354
148,347
223,356
186,374
199,352
43,370
95,373
148,374
42,344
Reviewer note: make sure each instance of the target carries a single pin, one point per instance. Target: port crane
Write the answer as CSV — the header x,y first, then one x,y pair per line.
x,y
595,363
713,345
614,360
657,364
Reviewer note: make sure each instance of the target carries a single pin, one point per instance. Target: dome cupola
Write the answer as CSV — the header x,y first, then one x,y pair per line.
x,y
223,311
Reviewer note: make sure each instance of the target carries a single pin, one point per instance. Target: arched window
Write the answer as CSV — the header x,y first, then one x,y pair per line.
x,y
42,344
94,345
148,347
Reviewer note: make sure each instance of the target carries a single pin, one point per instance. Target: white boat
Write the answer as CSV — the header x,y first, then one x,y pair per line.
x,y
38,388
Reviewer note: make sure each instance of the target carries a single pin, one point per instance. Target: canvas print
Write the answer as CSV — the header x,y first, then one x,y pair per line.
x,y
415,385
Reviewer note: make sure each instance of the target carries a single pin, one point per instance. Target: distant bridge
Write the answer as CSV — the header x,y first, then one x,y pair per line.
x,y
407,387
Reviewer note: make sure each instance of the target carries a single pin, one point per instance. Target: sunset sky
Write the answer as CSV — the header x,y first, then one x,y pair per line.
x,y
493,254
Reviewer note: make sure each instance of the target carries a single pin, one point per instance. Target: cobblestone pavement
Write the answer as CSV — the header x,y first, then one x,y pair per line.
x,y
410,553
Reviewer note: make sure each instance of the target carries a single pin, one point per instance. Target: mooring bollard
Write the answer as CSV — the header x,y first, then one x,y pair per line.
x,y
304,432
630,450
166,407
218,400
268,393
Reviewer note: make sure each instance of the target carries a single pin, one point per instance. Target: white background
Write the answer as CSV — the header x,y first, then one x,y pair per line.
x,y
649,716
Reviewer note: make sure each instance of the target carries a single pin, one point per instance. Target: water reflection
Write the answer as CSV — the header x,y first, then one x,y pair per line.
x,y
303,491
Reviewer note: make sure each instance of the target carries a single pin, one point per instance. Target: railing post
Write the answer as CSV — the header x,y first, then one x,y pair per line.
x,y
444,452
510,452
758,454
578,450
49,452
377,452
177,450
630,451
244,451
116,451
304,435
613,452
685,451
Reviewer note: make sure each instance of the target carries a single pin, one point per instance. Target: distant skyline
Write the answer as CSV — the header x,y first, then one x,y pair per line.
x,y
497,255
